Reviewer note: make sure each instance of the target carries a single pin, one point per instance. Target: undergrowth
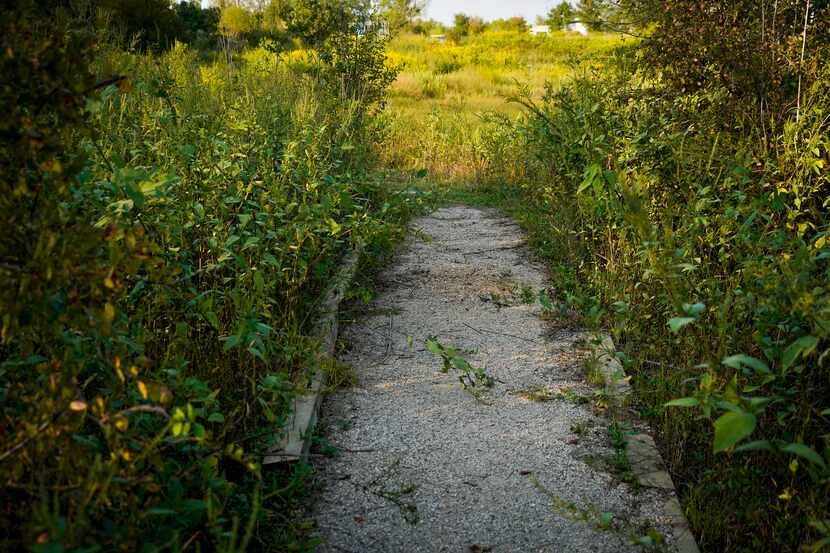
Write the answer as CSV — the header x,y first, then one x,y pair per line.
x,y
170,221
694,228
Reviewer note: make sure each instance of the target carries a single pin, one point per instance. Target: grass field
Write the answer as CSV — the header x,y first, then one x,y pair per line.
x,y
447,94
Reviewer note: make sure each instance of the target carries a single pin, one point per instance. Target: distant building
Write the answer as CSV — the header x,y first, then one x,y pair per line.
x,y
540,30
438,38
577,27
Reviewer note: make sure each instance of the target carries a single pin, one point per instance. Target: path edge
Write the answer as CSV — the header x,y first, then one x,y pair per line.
x,y
295,438
640,449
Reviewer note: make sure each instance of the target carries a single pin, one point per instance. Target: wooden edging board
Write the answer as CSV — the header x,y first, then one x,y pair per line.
x,y
642,453
295,439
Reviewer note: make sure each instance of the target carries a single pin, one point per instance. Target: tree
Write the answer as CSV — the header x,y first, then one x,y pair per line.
x,y
400,13
153,24
560,15
313,21
461,24
273,17
516,24
198,25
236,21
591,13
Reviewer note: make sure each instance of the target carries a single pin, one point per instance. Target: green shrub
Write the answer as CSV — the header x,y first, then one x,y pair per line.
x,y
700,238
167,234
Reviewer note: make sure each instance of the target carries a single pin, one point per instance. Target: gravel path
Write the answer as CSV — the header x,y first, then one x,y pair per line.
x,y
427,466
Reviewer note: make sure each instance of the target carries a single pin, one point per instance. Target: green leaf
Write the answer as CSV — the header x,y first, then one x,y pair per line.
x,y
334,226
545,301
694,309
591,174
731,428
683,402
804,346
230,342
757,445
826,412
433,346
736,361
806,452
211,317
216,417
161,511
676,323
461,364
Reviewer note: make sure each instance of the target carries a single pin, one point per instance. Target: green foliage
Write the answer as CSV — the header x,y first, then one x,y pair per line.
x,y
511,25
170,231
399,14
235,21
358,66
747,47
313,21
697,230
466,25
152,24
199,27
594,14
471,378
561,15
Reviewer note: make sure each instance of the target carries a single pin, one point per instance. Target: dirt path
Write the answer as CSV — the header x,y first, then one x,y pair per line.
x,y
425,465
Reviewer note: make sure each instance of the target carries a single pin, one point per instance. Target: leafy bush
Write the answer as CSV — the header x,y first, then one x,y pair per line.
x,y
168,232
699,235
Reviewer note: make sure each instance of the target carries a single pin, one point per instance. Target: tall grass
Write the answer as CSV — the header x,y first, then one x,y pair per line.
x,y
447,96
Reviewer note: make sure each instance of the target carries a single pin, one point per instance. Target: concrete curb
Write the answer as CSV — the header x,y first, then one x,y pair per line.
x,y
646,461
295,438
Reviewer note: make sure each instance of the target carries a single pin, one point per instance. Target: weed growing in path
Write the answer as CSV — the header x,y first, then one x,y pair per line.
x,y
472,379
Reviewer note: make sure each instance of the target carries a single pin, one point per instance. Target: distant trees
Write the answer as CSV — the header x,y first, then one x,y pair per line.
x,y
399,14
560,15
313,21
427,27
236,21
466,25
152,24
592,13
514,24
198,26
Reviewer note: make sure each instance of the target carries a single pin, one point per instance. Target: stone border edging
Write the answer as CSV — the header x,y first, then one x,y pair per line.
x,y
641,451
295,439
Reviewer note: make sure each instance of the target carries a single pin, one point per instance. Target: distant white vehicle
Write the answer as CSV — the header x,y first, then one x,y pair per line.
x,y
577,27
540,30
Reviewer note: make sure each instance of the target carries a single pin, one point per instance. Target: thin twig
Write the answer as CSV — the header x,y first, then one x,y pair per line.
x,y
485,331
19,446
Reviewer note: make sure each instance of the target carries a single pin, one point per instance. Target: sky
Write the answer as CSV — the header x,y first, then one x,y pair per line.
x,y
443,10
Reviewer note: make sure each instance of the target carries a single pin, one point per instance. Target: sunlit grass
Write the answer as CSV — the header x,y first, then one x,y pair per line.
x,y
447,94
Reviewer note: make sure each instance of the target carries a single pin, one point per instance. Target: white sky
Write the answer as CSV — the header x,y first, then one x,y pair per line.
x,y
444,10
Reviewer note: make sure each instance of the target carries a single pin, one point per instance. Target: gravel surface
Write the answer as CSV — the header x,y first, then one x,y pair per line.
x,y
425,465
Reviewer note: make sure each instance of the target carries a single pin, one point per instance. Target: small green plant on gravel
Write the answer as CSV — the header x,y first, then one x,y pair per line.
x,y
641,534
472,379
619,463
398,495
